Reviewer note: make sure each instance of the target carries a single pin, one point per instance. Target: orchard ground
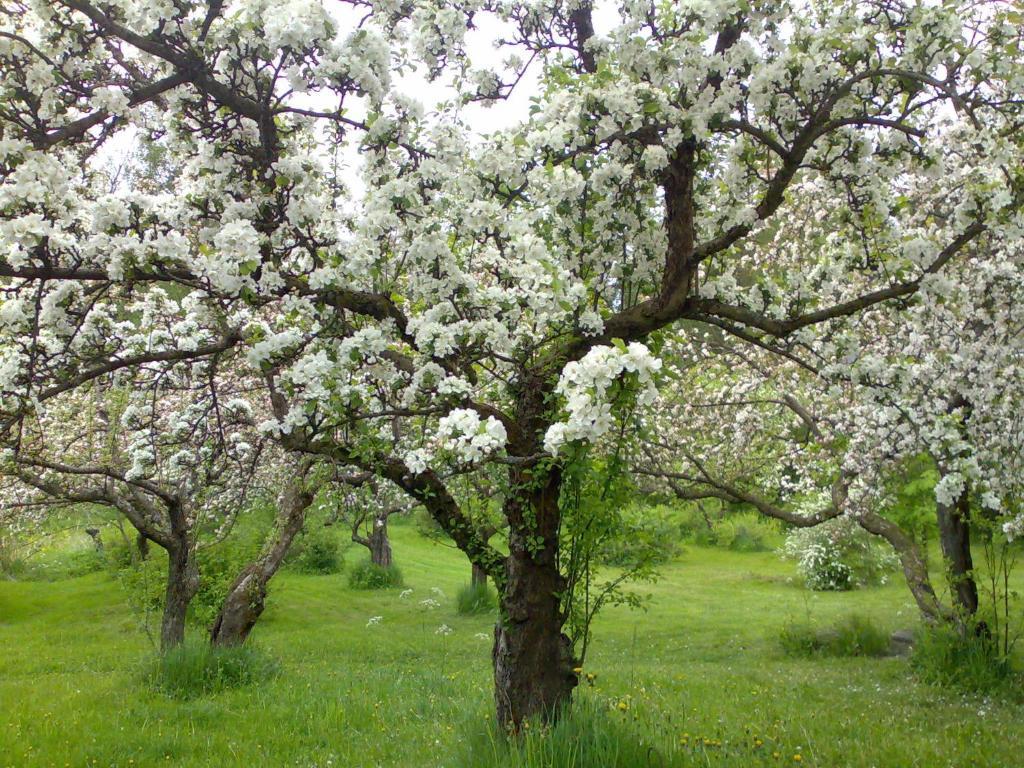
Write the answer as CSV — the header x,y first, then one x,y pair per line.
x,y
700,676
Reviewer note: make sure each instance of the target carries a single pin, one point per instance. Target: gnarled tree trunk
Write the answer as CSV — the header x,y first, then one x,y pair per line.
x,y
182,585
915,569
533,661
379,544
955,539
246,599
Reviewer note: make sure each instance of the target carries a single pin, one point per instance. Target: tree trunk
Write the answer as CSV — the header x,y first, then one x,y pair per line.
x,y
94,534
479,575
533,661
247,597
955,539
380,545
182,585
915,569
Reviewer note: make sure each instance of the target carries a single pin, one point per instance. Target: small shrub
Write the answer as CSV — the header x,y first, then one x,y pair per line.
x,y
838,555
694,526
737,531
219,566
643,534
145,581
82,562
746,532
367,575
199,669
319,552
13,566
853,636
943,656
476,598
120,555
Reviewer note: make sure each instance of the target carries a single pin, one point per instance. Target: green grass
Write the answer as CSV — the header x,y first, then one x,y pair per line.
x,y
701,671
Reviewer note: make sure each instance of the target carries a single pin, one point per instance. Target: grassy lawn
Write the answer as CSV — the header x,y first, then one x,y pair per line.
x,y
702,669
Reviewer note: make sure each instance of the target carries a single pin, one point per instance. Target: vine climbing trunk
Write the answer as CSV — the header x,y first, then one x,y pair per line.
x,y
533,661
247,597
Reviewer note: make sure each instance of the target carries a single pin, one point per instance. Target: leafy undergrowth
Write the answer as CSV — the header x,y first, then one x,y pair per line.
x,y
697,680
970,663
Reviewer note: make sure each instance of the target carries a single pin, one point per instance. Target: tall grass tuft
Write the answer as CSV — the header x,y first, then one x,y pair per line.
x,y
586,736
476,598
972,662
196,669
367,575
855,635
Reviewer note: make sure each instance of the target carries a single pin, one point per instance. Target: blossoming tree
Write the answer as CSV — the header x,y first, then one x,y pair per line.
x,y
159,449
487,299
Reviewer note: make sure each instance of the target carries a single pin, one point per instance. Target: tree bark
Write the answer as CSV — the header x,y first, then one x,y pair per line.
x,y
915,569
955,539
533,661
380,545
479,575
247,597
182,585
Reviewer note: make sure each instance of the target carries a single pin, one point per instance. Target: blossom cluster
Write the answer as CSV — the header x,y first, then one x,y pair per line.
x,y
586,385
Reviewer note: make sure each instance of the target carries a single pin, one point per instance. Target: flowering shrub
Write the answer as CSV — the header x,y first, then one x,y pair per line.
x,y
838,555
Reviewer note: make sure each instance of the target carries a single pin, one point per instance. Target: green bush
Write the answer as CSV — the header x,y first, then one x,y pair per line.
x,y
645,534
145,581
853,636
693,526
120,554
476,598
971,662
219,566
318,551
737,531
81,562
745,532
199,669
12,564
367,575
